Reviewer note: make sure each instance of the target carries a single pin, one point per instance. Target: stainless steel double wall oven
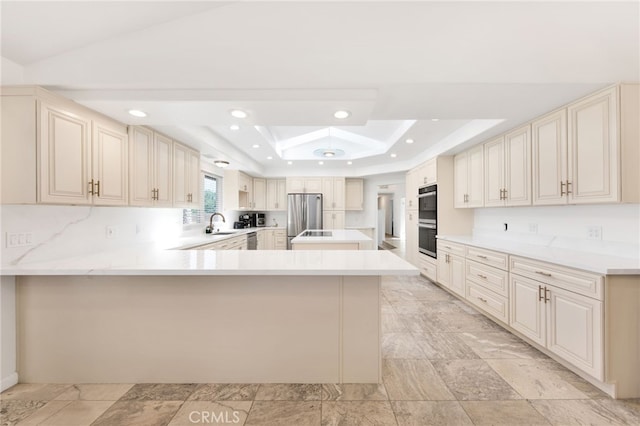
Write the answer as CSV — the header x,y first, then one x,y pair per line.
x,y
427,219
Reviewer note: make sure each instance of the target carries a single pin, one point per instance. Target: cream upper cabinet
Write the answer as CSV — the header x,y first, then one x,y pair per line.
x,y
259,194
65,157
411,190
549,158
186,176
469,178
236,192
110,152
593,149
427,173
507,169
150,168
333,191
304,185
276,194
354,194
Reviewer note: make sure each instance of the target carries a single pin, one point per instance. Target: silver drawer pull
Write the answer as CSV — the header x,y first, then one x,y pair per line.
x,y
484,277
543,273
482,300
481,256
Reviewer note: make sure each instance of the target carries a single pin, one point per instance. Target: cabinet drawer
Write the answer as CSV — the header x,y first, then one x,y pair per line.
x,y
489,277
449,247
488,301
428,267
488,257
574,280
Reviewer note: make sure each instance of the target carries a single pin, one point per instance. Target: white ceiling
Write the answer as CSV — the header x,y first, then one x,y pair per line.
x,y
479,67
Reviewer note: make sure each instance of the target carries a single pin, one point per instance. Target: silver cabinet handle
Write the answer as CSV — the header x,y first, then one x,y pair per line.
x,y
543,273
482,300
562,193
484,277
540,297
481,256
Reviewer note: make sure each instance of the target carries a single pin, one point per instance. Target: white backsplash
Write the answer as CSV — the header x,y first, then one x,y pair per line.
x,y
566,227
63,231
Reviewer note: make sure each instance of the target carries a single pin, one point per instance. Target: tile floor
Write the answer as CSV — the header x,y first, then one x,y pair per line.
x,y
444,364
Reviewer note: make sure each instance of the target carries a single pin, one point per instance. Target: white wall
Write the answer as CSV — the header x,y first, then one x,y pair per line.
x,y
10,72
62,231
567,225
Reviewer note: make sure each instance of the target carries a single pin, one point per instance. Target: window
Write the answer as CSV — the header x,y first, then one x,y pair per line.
x,y
211,201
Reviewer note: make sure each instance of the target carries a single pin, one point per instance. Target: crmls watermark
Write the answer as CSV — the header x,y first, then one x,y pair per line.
x,y
211,417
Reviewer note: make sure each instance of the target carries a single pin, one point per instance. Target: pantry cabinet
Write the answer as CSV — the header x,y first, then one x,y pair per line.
x,y
354,194
333,191
186,176
276,195
411,190
469,178
411,236
150,168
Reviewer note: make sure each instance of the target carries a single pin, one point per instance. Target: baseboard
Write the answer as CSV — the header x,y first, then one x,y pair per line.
x,y
8,381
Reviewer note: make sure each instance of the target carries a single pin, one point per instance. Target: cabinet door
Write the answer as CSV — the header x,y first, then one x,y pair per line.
x,y
457,274
431,171
354,194
460,177
575,330
180,175
549,158
110,149
327,220
338,219
163,159
527,311
327,194
194,178
338,193
259,194
411,191
518,167
272,194
475,177
313,185
295,185
141,166
281,200
411,236
65,157
494,169
444,269
593,149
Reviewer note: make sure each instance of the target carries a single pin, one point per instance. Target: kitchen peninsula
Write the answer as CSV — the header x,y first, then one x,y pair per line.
x,y
136,316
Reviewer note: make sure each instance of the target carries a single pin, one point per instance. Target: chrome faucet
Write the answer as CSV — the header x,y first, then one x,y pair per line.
x,y
209,229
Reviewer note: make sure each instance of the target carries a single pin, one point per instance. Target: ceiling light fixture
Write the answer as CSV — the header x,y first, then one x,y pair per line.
x,y
137,113
255,145
221,163
289,162
394,155
341,114
238,113
349,162
435,119
269,158
409,141
234,127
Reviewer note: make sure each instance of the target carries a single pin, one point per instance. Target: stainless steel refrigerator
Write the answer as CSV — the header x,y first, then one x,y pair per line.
x,y
304,212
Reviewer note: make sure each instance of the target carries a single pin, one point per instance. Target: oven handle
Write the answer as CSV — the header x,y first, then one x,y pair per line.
x,y
427,194
426,225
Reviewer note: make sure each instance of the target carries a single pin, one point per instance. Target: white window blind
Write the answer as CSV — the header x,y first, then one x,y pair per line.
x,y
210,201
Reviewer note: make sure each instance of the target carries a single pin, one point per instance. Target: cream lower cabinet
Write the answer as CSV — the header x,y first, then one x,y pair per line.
x,y
186,177
333,219
272,239
411,237
451,273
150,168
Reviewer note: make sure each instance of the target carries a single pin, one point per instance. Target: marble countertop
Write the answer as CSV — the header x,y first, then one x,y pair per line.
x,y
203,239
586,261
337,236
140,261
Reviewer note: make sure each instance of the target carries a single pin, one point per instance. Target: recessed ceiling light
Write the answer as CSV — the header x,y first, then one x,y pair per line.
x,y
234,127
255,145
137,113
221,163
394,155
289,162
349,162
321,162
409,141
435,119
341,114
329,154
238,113
269,158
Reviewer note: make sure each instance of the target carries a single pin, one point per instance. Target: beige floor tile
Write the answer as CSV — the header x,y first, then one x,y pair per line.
x,y
400,345
533,381
357,413
422,323
94,392
78,413
577,412
354,392
211,412
16,410
139,413
444,346
473,379
51,408
454,322
34,391
503,413
434,413
500,345
413,379
408,308
289,392
392,323
626,409
576,381
159,392
225,392
279,413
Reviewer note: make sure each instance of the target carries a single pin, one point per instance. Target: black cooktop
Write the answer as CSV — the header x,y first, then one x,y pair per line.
x,y
317,234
